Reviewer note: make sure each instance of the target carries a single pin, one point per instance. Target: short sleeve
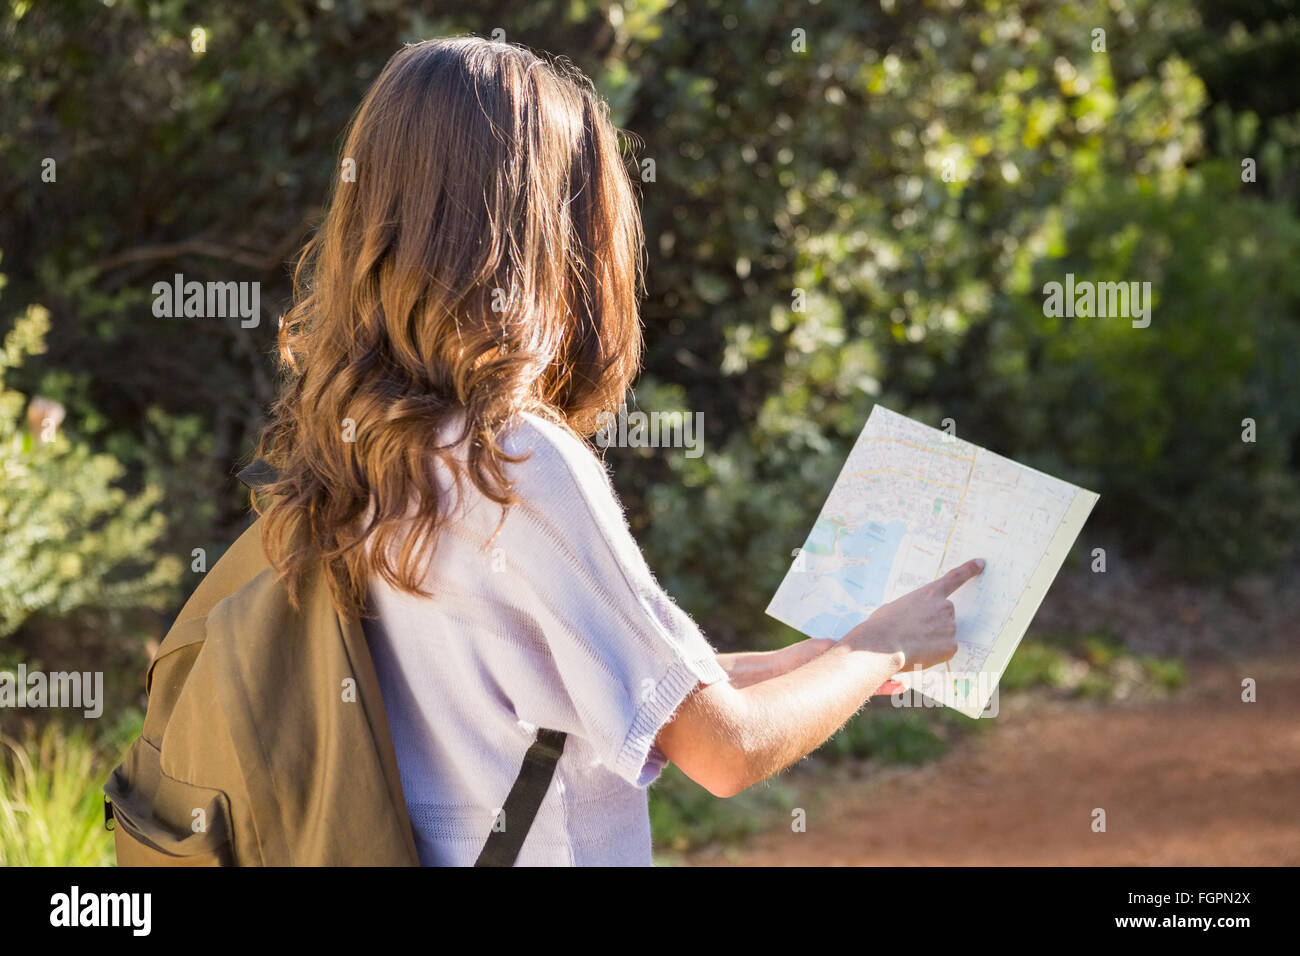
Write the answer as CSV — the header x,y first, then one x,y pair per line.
x,y
625,654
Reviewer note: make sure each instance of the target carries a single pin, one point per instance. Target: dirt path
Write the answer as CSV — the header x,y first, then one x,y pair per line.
x,y
1197,779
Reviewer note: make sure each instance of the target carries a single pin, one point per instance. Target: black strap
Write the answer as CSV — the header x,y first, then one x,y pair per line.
x,y
521,806
257,474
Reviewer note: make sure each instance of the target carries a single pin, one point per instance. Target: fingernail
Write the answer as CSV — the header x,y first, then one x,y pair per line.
x,y
979,563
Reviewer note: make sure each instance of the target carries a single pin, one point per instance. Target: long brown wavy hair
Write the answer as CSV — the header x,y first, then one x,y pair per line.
x,y
481,254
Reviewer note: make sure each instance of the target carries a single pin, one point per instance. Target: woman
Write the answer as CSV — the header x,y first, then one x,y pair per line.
x,y
464,315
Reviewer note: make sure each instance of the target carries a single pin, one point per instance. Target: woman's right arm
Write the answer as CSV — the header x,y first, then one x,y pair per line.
x,y
727,738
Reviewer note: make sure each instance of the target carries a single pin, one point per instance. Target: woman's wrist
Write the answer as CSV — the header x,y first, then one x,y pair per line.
x,y
870,636
751,667
745,667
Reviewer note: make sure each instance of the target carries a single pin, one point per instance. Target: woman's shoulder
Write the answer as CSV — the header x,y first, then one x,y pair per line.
x,y
555,460
548,442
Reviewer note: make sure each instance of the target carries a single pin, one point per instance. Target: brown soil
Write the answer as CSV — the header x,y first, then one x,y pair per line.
x,y
1200,778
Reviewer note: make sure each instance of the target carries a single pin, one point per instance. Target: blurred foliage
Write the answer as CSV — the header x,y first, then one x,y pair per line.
x,y
48,815
685,816
69,538
893,735
1245,51
1089,665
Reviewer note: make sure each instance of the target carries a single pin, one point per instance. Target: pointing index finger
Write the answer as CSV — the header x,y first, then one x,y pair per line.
x,y
959,575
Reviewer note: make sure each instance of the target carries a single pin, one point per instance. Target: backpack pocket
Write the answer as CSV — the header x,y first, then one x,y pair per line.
x,y
162,821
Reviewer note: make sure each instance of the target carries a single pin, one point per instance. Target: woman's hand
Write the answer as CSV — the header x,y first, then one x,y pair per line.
x,y
920,628
727,738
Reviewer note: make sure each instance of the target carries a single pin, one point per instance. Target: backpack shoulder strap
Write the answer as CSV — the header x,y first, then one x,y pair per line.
x,y
257,474
521,806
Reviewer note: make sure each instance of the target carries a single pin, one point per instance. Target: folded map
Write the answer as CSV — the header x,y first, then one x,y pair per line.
x,y
911,503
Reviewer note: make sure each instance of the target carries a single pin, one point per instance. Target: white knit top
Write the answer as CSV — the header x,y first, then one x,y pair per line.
x,y
557,622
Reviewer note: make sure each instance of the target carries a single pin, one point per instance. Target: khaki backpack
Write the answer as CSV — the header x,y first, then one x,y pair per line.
x,y
265,740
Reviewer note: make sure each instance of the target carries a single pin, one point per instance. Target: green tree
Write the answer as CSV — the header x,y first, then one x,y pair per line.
x,y
69,538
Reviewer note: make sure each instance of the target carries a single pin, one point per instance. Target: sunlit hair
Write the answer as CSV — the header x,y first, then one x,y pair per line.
x,y
485,260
